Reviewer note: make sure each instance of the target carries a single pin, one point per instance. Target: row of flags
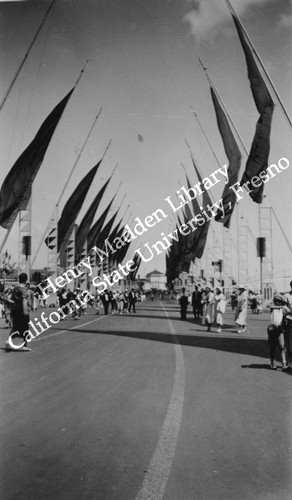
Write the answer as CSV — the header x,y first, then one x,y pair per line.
x,y
16,188
192,246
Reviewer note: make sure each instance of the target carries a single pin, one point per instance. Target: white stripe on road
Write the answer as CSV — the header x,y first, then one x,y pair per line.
x,y
69,329
157,473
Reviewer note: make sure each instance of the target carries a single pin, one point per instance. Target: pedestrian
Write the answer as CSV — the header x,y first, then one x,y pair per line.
x,y
121,302
278,310
259,299
233,299
220,306
105,298
183,302
241,309
253,304
8,305
76,314
22,298
196,302
288,325
132,301
126,300
97,303
63,299
208,307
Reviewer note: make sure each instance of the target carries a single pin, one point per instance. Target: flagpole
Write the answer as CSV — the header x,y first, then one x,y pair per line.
x,y
80,153
26,56
261,63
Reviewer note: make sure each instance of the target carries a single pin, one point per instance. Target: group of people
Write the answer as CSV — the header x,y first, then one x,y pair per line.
x,y
280,328
210,306
120,301
69,297
207,306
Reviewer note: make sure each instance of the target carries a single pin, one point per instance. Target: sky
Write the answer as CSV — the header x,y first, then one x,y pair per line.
x,y
143,71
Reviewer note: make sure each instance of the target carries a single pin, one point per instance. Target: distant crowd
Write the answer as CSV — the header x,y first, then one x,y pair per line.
x,y
209,307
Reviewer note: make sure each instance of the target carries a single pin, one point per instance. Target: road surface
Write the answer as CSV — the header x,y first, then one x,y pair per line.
x,y
145,406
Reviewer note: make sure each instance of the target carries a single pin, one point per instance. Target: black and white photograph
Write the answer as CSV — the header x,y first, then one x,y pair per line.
x,y
146,249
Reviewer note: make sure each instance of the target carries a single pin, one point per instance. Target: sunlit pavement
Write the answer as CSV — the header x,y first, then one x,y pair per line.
x,y
145,406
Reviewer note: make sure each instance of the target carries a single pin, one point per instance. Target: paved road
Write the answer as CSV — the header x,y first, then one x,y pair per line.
x,y
145,406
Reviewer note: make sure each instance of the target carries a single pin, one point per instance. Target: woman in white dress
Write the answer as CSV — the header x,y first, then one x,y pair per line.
x,y
241,309
220,306
208,308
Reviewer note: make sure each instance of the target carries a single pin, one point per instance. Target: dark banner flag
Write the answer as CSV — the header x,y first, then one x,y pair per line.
x,y
105,232
84,227
195,203
190,253
234,157
97,226
73,206
15,190
258,158
202,232
137,262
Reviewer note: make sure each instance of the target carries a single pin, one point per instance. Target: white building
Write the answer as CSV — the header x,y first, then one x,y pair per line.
x,y
156,280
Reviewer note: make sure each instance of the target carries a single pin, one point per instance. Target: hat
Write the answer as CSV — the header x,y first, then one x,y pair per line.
x,y
279,298
241,287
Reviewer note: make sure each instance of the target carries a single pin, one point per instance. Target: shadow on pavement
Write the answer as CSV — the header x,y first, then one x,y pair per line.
x,y
246,346
267,367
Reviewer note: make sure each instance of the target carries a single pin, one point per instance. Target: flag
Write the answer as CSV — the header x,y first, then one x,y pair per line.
x,y
104,234
173,257
73,206
137,261
234,157
258,157
97,227
259,154
121,252
86,222
202,231
15,190
195,204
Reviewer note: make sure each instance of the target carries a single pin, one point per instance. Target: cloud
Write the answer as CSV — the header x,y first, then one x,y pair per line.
x,y
206,17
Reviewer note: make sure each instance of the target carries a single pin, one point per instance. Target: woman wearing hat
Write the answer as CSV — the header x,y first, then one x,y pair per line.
x,y
241,309
208,308
220,306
